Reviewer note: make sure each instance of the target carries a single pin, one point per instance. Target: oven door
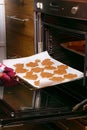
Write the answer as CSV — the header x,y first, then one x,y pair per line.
x,y
27,105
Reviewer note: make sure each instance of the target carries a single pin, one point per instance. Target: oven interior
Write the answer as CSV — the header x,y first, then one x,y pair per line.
x,y
56,32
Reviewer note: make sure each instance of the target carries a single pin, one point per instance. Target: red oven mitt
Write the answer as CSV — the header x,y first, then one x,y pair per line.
x,y
7,76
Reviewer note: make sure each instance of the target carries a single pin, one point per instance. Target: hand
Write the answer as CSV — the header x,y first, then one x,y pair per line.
x,y
8,77
10,72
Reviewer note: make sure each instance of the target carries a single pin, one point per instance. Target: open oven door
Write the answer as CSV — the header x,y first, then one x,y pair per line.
x,y
21,105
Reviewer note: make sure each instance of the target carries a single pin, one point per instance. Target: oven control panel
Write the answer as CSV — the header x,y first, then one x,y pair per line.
x,y
62,8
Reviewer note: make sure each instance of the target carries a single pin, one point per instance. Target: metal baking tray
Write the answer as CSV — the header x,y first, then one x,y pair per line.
x,y
77,47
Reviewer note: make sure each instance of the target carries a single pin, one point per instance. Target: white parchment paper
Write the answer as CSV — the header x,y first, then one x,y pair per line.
x,y
44,82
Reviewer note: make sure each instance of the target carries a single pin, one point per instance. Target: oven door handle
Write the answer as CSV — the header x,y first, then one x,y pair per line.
x,y
54,5
18,19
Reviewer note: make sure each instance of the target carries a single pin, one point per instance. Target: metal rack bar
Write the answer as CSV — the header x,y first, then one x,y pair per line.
x,y
85,62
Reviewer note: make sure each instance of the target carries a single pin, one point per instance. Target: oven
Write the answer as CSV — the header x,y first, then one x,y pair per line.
x,y
61,29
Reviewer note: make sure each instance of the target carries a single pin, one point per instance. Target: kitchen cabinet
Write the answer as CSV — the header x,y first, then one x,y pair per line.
x,y
19,28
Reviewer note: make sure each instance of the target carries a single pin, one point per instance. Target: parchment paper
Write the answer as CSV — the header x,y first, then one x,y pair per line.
x,y
44,82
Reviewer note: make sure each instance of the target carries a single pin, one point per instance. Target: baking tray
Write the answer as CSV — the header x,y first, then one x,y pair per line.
x,y
77,47
43,81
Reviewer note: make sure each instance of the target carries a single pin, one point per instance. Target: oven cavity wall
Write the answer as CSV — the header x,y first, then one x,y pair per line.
x,y
19,28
